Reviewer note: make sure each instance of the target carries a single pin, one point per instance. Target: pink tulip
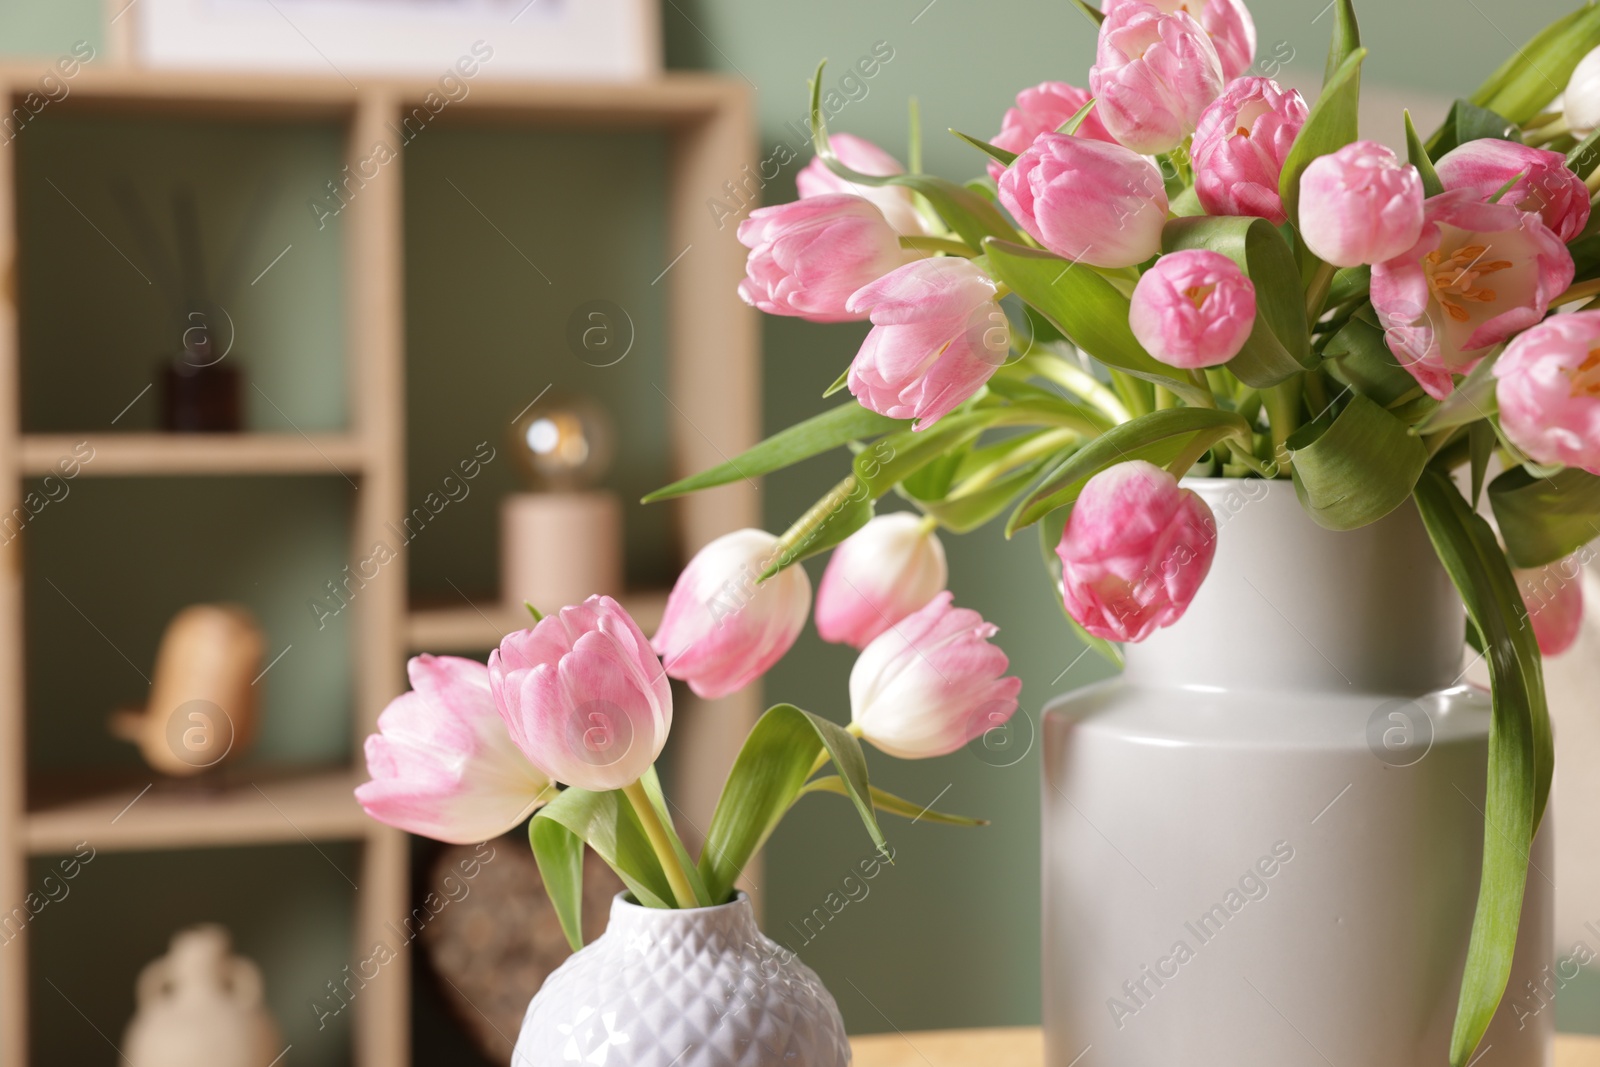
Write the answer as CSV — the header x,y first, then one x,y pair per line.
x,y
1549,391
1087,201
1544,184
806,258
1361,204
583,696
1154,74
442,762
1240,145
1226,22
883,572
1134,551
1478,274
863,157
938,335
1553,595
932,683
1194,308
1043,109
722,629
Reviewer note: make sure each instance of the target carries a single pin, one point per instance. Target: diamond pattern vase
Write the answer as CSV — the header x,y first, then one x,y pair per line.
x,y
696,988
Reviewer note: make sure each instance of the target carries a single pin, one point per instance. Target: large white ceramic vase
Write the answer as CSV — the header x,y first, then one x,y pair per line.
x,y
695,988
1261,842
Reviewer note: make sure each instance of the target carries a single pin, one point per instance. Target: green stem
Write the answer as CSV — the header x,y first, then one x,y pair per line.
x,y
1136,394
1079,383
1207,400
1317,290
1581,291
1042,445
1547,133
657,832
1282,402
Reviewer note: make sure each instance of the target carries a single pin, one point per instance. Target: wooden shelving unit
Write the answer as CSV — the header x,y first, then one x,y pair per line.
x,y
714,387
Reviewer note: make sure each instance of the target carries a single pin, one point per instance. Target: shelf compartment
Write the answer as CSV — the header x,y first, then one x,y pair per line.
x,y
163,454
163,814
477,627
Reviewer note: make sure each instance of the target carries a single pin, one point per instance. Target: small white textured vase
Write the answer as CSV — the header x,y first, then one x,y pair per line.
x,y
701,987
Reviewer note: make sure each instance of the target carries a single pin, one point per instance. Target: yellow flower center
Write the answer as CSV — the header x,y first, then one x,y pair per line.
x,y
1586,376
1197,294
1454,281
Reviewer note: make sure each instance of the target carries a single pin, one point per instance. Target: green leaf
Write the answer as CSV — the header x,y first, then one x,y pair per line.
x,y
658,800
1160,437
559,854
1087,308
1356,468
839,383
967,512
892,804
1480,449
1545,519
1279,345
1358,357
994,152
843,510
607,823
1331,125
1346,39
769,773
1467,121
1348,284
1070,127
1472,400
1093,14
847,422
1431,185
970,215
1537,72
1520,753
1584,155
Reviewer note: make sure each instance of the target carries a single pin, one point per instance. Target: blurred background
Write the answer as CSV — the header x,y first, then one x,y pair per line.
x,y
516,233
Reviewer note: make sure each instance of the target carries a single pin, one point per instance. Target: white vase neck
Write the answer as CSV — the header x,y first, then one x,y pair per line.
x,y
1291,606
734,921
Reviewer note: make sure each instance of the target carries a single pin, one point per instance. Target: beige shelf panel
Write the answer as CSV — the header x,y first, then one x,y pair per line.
x,y
476,627
273,810
158,454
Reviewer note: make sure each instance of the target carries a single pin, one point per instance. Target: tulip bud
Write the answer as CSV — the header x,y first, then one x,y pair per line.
x,y
1226,22
583,696
883,572
863,157
1581,101
1553,595
1087,201
806,258
442,762
1240,145
1543,183
1194,308
1134,551
938,335
1359,205
932,683
1044,109
722,630
1548,388
1153,75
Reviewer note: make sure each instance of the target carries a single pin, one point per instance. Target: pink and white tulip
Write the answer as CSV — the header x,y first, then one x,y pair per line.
x,y
1193,308
1134,552
1478,273
1361,204
1153,76
807,257
1087,201
932,683
938,334
583,696
1548,388
1226,22
863,157
1043,109
1544,184
1239,147
881,573
442,762
722,629
1553,595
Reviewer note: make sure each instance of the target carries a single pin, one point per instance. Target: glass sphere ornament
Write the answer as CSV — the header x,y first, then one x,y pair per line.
x,y
563,443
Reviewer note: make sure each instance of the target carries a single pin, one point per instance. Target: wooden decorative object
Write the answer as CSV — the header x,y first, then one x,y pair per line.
x,y
203,698
201,1006
496,944
559,548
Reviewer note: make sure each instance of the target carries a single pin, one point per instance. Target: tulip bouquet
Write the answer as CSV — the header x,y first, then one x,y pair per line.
x,y
1185,269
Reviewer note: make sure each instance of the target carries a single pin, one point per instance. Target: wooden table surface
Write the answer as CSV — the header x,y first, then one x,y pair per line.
x,y
1024,1047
